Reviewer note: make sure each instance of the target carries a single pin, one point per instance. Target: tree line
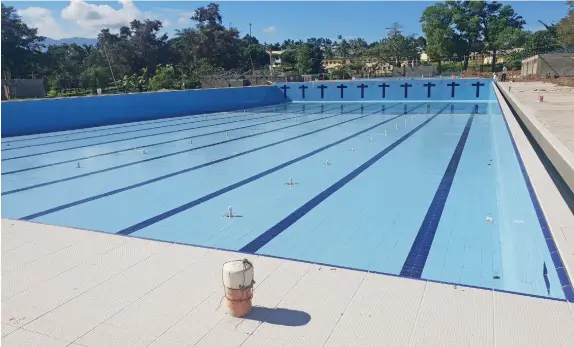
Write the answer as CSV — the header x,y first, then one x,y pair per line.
x,y
139,58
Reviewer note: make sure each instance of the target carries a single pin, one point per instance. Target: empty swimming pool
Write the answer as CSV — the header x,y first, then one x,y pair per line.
x,y
423,190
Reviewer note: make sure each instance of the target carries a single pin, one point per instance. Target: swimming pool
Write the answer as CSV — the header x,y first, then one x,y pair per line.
x,y
422,190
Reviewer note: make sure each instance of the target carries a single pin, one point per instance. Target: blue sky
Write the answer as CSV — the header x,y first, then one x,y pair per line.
x,y
272,21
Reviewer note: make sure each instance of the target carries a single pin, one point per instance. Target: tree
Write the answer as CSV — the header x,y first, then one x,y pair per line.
x,y
396,48
304,64
165,78
565,27
20,44
442,41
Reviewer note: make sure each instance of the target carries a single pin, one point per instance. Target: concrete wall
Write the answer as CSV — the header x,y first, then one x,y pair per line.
x,y
394,90
558,154
46,115
23,89
561,64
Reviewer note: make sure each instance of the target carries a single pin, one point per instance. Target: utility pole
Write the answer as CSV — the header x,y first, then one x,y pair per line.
x,y
249,29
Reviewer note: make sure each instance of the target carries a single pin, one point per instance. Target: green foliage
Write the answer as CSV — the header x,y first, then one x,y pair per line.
x,y
565,28
165,78
20,45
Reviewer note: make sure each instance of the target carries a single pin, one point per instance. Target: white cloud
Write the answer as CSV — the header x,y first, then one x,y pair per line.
x,y
92,18
41,18
270,30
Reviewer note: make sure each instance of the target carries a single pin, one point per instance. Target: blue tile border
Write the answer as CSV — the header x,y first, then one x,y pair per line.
x,y
550,243
268,235
417,257
320,264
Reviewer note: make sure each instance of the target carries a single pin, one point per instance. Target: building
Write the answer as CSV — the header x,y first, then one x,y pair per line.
x,y
274,59
375,66
551,64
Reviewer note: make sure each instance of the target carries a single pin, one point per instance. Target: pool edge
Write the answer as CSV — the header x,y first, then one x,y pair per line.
x,y
553,213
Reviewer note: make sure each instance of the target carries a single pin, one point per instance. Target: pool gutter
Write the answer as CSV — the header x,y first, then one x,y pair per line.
x,y
557,213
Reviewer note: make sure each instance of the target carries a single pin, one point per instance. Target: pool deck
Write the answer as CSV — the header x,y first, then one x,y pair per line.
x,y
66,287
550,122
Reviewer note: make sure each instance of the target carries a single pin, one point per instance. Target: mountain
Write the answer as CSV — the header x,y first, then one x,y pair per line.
x,y
77,40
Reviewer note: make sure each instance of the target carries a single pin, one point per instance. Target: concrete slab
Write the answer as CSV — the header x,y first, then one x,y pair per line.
x,y
148,293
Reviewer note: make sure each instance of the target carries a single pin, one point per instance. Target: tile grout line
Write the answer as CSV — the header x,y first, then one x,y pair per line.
x,y
345,309
63,272
278,303
203,256
67,301
418,313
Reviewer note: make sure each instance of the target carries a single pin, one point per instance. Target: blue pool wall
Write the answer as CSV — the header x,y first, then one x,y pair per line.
x,y
390,90
46,115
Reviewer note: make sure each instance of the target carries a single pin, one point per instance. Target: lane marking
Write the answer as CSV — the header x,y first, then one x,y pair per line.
x,y
286,222
176,173
184,207
150,145
17,190
145,129
416,259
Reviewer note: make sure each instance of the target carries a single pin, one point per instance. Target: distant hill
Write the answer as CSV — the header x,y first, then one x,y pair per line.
x,y
77,40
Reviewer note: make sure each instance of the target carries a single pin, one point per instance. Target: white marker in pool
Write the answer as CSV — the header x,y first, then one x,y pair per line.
x,y
405,121
371,139
227,134
190,141
290,181
385,132
229,212
79,166
327,162
144,151
396,126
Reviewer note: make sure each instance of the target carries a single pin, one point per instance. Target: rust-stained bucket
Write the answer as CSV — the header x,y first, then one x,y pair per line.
x,y
238,281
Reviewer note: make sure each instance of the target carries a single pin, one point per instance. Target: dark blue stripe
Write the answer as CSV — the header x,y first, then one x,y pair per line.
x,y
563,277
417,257
160,178
253,178
278,228
147,146
128,125
162,133
161,156
145,129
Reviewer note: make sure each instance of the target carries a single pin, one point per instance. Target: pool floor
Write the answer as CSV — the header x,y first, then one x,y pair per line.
x,y
431,191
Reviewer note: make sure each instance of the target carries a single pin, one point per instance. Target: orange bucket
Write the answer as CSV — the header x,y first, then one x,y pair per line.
x,y
239,302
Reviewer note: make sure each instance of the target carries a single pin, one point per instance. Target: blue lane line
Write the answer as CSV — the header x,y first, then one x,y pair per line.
x,y
168,132
286,222
165,155
134,131
160,178
143,136
561,271
187,206
134,123
418,255
151,128
156,144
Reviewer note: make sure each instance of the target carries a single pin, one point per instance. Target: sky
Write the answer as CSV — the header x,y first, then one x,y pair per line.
x,y
272,21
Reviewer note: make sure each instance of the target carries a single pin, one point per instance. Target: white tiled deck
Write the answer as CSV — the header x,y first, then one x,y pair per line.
x,y
66,287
